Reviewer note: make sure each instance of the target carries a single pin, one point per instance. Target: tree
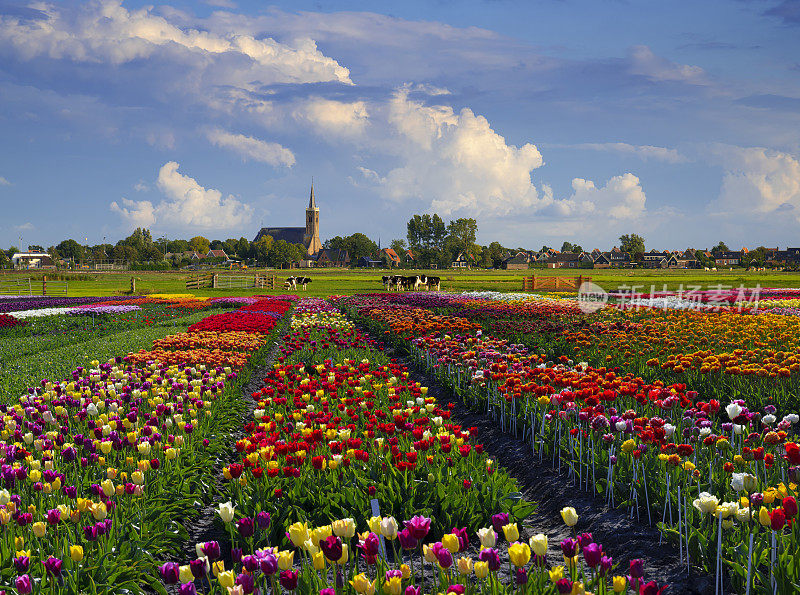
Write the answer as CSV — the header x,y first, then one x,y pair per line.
x,y
70,249
576,249
5,262
281,254
178,246
217,245
243,248
418,231
140,240
399,246
566,247
633,245
358,245
463,231
231,246
721,247
125,252
200,244
260,250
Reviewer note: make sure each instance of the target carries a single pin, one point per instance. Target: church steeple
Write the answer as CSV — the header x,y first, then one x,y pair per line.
x,y
311,237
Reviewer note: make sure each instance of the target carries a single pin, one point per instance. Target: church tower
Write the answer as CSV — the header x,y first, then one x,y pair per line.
x,y
311,236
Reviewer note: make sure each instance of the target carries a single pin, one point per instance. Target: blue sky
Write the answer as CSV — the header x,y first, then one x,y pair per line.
x,y
547,120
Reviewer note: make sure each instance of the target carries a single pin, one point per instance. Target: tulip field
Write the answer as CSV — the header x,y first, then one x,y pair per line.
x,y
296,445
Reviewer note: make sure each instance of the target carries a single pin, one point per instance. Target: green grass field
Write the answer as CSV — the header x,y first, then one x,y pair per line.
x,y
344,281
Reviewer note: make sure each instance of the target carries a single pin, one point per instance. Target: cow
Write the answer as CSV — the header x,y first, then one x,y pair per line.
x,y
304,281
433,283
290,283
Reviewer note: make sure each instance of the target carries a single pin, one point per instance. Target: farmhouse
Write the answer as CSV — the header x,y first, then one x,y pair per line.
x,y
728,258
568,260
32,260
333,258
517,262
308,235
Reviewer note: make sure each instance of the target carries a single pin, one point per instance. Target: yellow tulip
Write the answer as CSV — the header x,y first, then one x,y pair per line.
x,y
763,517
345,554
620,584
519,554
465,566
39,529
375,524
393,586
227,579
218,567
108,487
570,516
511,531
344,528
556,574
319,561
76,553
481,569
185,574
362,584
450,542
298,533
538,544
285,559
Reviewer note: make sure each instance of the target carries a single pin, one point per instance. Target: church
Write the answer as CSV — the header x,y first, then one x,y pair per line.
x,y
308,235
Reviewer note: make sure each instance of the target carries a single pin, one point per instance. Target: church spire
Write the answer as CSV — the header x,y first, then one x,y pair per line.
x,y
312,204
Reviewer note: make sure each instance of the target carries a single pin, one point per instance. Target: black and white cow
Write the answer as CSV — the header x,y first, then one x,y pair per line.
x,y
293,282
433,284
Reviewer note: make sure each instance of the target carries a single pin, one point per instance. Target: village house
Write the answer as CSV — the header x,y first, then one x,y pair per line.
x,y
517,262
728,259
390,258
463,261
568,260
32,260
333,258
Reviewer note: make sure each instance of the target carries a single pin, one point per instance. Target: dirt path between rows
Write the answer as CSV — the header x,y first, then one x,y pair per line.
x,y
624,539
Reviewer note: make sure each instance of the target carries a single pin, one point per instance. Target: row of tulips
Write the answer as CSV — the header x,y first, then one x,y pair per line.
x,y
721,478
99,470
343,439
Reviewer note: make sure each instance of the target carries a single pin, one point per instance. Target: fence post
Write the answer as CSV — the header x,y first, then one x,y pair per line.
x,y
30,288
133,285
66,288
44,285
214,280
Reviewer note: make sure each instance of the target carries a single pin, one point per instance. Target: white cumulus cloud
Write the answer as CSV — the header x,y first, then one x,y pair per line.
x,y
622,197
645,152
642,61
251,148
338,118
457,161
187,204
105,32
756,181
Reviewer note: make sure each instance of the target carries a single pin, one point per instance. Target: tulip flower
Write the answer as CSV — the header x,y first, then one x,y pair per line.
x,y
23,584
519,554
487,537
388,528
226,512
76,553
538,544
511,532
491,557
570,516
419,526
53,566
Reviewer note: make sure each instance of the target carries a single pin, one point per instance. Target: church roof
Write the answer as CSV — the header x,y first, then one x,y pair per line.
x,y
312,204
293,235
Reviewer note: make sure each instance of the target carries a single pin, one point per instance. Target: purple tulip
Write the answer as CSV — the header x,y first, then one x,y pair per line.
x,y
288,579
498,520
246,527
250,563
170,572
52,566
22,563
444,557
412,590
637,568
331,547
263,520
269,564
187,589
24,584
592,553
246,582
212,550
491,557
570,547
606,564
198,567
521,576
419,526
564,586
236,555
327,591
407,541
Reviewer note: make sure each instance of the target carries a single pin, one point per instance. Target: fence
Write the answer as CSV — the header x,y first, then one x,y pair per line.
x,y
28,286
554,283
225,281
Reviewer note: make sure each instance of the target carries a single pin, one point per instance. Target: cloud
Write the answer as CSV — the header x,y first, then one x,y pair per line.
x,y
756,181
333,117
104,32
24,227
786,10
141,186
456,161
772,101
251,148
221,3
4,181
645,152
187,205
642,61
621,198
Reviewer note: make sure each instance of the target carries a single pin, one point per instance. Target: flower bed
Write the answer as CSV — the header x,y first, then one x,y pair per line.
x,y
7,321
100,469
251,322
729,470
